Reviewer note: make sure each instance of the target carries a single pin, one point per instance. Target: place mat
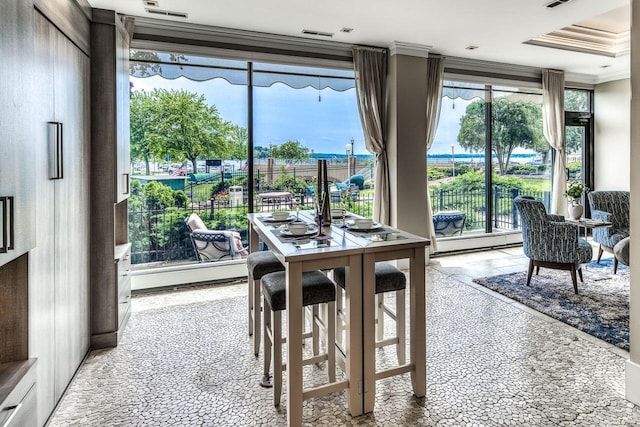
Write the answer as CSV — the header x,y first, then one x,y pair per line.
x,y
379,231
271,220
287,238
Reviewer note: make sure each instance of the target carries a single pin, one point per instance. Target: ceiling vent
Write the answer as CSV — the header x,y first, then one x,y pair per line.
x,y
166,13
557,3
150,3
317,33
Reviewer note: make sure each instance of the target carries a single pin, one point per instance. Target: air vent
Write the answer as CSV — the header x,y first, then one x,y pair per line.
x,y
150,3
166,13
346,29
557,3
317,33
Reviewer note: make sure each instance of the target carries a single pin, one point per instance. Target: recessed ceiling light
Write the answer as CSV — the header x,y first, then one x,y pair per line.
x,y
605,66
346,30
150,3
557,3
471,47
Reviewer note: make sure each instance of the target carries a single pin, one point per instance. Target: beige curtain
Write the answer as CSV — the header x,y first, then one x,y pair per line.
x,y
553,122
435,70
370,66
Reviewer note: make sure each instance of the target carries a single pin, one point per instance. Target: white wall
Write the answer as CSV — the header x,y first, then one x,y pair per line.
x,y
612,135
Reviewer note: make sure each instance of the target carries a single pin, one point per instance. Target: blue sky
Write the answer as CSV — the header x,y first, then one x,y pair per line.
x,y
324,121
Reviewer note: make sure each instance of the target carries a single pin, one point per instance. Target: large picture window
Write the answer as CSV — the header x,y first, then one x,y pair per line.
x,y
219,138
489,148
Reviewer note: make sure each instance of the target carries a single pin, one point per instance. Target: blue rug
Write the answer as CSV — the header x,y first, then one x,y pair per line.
x,y
601,307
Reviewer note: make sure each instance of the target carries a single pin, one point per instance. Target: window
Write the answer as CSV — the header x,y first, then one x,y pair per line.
x,y
221,137
489,148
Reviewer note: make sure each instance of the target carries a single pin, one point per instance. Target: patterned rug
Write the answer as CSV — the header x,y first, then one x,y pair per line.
x,y
600,309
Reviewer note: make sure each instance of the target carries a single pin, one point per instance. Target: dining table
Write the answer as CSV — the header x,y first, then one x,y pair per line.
x,y
339,245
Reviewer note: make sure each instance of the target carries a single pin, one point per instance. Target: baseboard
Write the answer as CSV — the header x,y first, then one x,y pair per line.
x,y
193,273
632,389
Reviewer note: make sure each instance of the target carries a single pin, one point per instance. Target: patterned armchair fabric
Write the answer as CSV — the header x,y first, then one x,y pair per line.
x,y
612,206
449,223
547,238
213,245
550,242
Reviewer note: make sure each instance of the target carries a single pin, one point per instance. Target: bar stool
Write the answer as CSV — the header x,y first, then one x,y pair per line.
x,y
388,279
317,288
258,264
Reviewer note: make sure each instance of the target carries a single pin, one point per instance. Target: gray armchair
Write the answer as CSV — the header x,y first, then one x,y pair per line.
x,y
213,245
611,206
550,242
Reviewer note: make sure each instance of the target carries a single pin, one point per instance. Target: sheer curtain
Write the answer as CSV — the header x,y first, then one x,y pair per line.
x,y
435,69
553,122
370,67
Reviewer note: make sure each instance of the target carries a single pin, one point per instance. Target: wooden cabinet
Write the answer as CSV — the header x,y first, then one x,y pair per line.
x,y
109,175
59,263
18,400
17,198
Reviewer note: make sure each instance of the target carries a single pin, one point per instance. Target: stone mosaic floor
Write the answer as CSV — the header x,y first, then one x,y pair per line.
x,y
185,360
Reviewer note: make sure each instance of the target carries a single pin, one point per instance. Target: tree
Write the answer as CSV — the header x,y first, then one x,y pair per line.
x,y
238,142
183,126
142,147
514,124
289,151
145,63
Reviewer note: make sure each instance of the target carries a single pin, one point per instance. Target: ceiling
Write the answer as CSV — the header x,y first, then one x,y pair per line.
x,y
499,28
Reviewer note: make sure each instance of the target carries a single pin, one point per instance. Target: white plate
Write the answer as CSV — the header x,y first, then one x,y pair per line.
x,y
306,233
374,226
269,218
338,215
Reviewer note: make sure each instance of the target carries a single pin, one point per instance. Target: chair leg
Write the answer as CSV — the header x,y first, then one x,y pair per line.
x,y
339,325
530,272
315,331
256,317
615,265
379,317
250,303
600,251
331,340
537,270
276,321
580,274
401,348
573,279
266,328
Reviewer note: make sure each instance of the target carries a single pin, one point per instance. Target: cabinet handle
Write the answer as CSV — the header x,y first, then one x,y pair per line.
x,y
126,183
55,150
7,224
15,410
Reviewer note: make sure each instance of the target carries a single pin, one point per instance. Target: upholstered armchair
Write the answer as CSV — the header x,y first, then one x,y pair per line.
x,y
213,245
448,223
613,207
550,242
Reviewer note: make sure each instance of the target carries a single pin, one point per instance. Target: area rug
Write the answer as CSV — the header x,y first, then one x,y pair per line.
x,y
600,309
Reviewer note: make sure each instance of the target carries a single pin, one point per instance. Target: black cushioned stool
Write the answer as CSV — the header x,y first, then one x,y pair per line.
x,y
317,288
258,264
388,279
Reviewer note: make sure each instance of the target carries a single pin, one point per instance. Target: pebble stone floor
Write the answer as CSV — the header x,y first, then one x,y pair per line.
x,y
186,360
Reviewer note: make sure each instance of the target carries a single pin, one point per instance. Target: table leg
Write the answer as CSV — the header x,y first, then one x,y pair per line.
x,y
294,344
368,330
353,348
253,239
417,323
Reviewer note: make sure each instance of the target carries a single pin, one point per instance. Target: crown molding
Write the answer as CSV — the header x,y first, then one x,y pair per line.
x,y
409,49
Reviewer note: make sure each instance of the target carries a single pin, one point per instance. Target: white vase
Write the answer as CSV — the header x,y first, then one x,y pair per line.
x,y
575,211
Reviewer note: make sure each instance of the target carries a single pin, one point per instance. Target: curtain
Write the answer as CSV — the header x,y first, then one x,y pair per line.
x,y
553,123
370,67
435,69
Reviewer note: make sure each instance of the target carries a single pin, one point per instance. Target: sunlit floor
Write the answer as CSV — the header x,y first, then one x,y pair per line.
x,y
186,360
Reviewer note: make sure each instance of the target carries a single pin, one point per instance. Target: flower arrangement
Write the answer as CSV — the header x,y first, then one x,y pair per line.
x,y
575,190
220,195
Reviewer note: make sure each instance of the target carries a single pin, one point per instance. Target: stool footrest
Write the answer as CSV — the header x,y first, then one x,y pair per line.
x,y
325,389
394,371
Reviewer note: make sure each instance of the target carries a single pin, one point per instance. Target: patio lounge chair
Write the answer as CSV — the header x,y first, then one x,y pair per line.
x,y
213,245
610,206
449,223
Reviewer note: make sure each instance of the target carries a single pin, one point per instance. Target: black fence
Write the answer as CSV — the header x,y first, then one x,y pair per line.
x,y
473,204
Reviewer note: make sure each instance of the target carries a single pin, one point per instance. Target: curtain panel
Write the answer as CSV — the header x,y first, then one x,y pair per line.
x,y
435,70
370,67
553,125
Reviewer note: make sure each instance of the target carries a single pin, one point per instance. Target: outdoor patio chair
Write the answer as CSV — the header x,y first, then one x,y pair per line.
x,y
613,207
449,223
550,242
213,245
